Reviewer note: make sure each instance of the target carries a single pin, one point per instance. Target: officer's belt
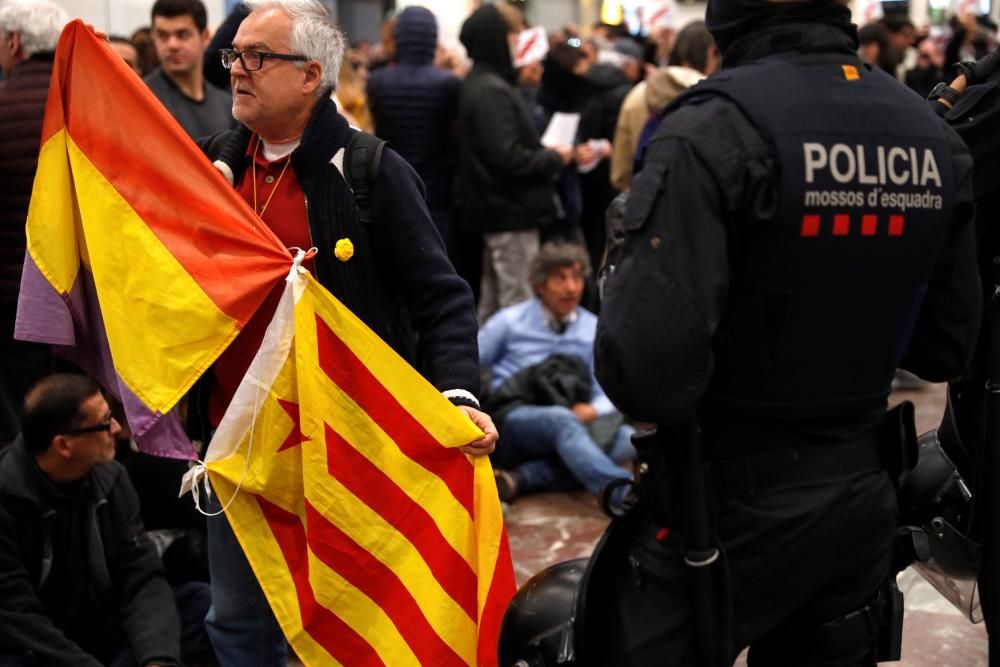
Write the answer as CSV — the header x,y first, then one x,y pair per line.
x,y
748,475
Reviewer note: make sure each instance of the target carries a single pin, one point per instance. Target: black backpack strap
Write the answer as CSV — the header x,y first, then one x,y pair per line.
x,y
230,148
361,164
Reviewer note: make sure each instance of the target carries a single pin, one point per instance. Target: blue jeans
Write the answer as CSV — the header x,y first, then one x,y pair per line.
x,y
194,599
551,450
241,625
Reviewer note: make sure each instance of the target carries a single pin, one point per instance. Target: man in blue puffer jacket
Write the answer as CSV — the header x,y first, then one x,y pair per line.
x,y
415,105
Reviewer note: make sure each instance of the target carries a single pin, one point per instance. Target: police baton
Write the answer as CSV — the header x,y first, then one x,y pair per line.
x,y
991,471
700,553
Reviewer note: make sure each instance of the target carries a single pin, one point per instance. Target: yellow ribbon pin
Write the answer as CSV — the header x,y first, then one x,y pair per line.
x,y
344,250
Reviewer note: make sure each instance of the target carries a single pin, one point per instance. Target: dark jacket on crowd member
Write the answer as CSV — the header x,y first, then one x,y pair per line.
x,y
22,107
79,578
415,105
563,91
399,279
215,73
506,177
561,379
608,88
22,98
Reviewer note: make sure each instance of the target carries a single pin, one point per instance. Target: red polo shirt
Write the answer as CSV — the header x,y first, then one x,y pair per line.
x,y
283,201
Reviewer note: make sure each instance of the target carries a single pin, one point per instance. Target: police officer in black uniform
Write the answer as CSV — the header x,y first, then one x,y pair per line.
x,y
801,227
970,104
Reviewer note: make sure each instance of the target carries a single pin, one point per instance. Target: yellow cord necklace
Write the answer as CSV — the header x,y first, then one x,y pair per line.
x,y
253,167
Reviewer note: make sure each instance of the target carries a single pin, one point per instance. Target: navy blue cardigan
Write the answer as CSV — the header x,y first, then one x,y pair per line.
x,y
399,281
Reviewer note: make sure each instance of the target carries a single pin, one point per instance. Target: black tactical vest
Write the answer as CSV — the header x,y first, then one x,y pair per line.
x,y
825,295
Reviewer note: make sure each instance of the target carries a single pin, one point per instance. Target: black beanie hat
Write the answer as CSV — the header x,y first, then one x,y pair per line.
x,y
730,21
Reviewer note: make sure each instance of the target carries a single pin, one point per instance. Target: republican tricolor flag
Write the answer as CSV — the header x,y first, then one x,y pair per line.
x,y
143,263
376,540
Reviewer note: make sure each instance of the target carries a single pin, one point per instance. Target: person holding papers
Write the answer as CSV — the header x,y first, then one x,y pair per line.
x,y
506,177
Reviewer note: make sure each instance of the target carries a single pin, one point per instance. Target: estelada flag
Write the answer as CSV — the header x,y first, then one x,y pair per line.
x,y
376,541
143,264
658,15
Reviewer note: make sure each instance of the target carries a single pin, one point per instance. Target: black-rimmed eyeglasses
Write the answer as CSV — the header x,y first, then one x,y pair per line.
x,y
254,60
96,428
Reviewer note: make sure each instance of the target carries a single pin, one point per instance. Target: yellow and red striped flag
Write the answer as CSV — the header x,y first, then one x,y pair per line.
x,y
376,541
143,264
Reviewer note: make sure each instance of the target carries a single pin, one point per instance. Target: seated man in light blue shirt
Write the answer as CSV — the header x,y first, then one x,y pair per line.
x,y
558,430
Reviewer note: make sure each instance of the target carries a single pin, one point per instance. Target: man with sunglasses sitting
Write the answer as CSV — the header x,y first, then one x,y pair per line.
x,y
80,582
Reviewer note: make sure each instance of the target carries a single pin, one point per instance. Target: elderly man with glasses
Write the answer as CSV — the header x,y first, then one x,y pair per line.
x,y
286,159
80,582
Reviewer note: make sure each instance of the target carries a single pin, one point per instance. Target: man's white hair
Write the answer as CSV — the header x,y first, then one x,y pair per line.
x,y
314,35
38,22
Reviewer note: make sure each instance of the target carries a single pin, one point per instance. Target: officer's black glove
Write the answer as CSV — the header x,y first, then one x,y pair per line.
x,y
980,70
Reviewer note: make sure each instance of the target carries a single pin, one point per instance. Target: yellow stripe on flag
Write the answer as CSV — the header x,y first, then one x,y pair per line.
x,y
434,412
489,528
337,408
52,215
117,237
386,544
423,487
359,612
251,527
276,475
393,541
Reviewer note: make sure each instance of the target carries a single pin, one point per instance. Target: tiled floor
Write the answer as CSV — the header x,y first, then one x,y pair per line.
x,y
551,528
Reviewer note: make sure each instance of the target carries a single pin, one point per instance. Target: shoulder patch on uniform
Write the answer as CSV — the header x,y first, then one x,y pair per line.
x,y
851,72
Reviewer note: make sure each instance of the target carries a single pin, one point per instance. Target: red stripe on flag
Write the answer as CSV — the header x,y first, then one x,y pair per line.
x,y
527,46
377,490
166,180
370,576
325,627
349,373
502,589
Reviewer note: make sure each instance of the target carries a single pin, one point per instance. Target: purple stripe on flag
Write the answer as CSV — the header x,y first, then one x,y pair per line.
x,y
41,311
156,433
87,347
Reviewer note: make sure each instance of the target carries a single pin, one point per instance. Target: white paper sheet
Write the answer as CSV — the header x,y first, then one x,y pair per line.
x,y
561,130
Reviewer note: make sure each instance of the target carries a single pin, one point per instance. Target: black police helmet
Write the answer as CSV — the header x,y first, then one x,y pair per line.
x,y
537,628
936,498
